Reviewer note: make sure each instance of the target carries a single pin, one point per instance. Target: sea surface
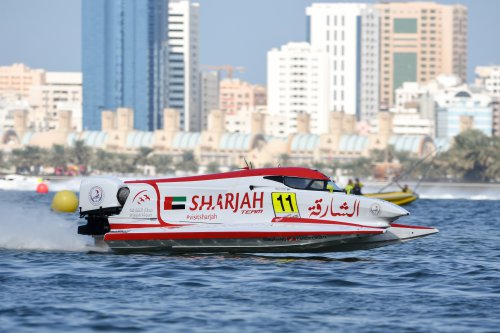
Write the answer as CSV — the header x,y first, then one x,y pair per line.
x,y
53,280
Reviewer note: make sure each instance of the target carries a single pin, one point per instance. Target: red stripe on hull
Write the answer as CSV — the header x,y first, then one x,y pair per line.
x,y
228,235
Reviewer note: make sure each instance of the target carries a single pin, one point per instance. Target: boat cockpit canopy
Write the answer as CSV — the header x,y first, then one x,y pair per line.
x,y
306,183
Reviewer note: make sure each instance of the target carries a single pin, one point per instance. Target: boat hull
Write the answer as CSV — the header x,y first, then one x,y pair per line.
x,y
263,242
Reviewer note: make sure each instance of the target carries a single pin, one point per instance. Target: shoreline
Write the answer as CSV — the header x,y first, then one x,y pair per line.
x,y
435,184
411,183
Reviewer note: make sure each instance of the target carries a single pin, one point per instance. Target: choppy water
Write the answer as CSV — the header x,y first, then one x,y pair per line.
x,y
52,281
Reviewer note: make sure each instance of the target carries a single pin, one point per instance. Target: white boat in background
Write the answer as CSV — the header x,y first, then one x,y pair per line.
x,y
19,182
15,182
252,210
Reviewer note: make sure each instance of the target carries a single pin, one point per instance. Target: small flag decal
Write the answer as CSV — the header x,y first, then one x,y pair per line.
x,y
172,203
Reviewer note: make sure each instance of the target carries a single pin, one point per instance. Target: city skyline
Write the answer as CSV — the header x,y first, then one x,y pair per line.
x,y
59,30
124,60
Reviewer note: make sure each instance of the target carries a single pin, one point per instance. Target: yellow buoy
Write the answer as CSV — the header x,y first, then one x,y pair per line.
x,y
64,202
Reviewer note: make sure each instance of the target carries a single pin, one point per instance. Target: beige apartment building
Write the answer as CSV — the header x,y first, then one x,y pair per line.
x,y
42,95
62,91
418,42
19,78
235,94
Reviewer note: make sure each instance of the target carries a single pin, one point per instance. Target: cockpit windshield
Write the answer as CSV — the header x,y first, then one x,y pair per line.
x,y
332,187
307,183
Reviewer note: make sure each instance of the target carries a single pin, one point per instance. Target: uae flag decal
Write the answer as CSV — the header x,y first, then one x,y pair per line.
x,y
171,203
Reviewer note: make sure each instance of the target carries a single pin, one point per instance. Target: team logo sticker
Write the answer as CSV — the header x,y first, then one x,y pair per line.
x,y
375,209
142,197
96,195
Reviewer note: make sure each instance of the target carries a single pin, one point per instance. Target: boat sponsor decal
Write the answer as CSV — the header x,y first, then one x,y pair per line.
x,y
321,210
174,203
375,209
140,212
252,211
201,217
96,195
142,206
141,197
294,238
121,226
285,204
244,203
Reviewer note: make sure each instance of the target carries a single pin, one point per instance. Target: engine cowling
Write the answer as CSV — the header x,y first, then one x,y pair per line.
x,y
100,194
100,197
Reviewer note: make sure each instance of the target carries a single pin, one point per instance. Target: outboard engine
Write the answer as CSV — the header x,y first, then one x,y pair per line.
x,y
100,197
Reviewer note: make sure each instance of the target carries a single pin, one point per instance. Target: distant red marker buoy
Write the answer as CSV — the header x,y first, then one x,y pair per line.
x,y
42,188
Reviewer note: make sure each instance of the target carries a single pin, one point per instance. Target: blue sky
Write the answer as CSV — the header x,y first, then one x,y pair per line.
x,y
46,34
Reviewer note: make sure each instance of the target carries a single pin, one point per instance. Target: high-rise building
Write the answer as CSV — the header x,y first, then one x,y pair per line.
x,y
298,80
488,77
18,79
418,42
183,62
466,110
235,94
349,34
61,93
209,95
124,58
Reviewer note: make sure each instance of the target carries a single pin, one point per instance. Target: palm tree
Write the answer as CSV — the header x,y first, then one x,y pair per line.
x,y
188,162
142,156
103,161
469,155
82,155
318,165
28,160
213,167
57,156
124,163
3,160
284,159
162,163
359,167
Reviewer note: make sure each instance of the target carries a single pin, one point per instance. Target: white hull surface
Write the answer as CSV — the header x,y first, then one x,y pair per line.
x,y
249,211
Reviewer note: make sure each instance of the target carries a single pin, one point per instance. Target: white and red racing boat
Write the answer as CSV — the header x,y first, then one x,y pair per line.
x,y
250,210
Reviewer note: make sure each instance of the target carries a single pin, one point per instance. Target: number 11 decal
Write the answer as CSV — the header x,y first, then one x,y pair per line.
x,y
285,204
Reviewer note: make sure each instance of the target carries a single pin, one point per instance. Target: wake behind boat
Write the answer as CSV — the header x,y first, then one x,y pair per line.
x,y
252,210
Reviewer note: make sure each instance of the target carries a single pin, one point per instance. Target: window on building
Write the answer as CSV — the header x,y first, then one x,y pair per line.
x,y
405,25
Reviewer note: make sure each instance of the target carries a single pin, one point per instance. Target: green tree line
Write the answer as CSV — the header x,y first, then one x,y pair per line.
x,y
32,159
472,157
